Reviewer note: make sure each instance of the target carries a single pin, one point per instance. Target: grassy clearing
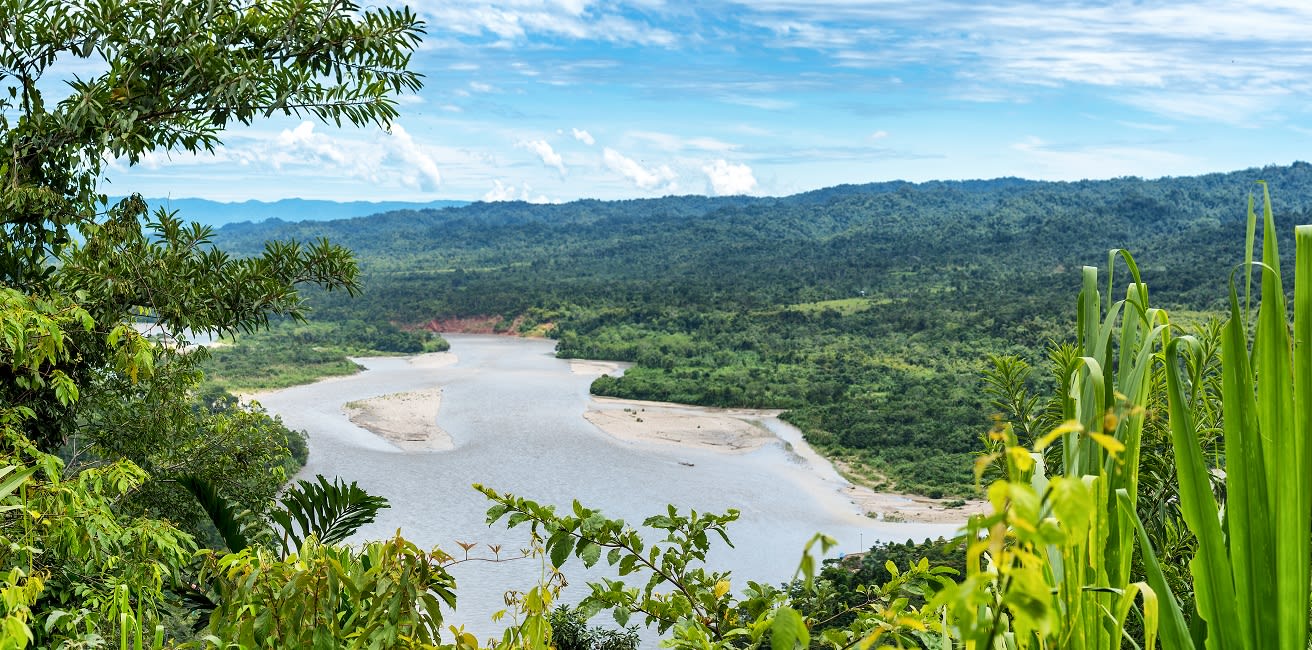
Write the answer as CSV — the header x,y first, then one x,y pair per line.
x,y
844,306
248,367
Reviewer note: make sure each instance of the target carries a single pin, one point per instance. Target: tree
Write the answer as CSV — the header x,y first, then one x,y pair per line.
x,y
76,271
175,75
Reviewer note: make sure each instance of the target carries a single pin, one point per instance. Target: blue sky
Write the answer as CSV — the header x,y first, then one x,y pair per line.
x,y
556,100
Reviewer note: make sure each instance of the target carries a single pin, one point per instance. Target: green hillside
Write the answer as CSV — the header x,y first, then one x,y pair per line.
x,y
867,311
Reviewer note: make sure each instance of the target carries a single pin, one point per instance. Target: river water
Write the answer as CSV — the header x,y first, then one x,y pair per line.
x,y
515,414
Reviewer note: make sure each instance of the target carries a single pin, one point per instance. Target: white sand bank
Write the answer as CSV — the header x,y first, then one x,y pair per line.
x,y
407,420
724,430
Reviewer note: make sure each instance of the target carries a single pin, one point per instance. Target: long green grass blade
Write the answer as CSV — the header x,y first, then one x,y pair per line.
x,y
1302,409
1248,515
11,483
1172,628
1249,237
1213,582
1272,364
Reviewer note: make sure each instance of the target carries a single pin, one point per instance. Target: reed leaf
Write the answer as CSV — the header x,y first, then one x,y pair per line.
x,y
1252,586
1248,506
1213,579
1295,610
1170,624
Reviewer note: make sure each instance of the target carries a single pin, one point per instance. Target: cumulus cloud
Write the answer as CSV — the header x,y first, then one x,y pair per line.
x,y
729,179
420,169
643,177
393,157
301,142
502,191
544,151
584,137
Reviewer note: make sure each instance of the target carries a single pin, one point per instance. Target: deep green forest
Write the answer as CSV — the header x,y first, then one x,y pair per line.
x,y
867,311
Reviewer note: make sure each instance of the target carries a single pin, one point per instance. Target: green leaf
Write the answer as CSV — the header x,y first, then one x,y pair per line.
x,y
788,630
590,553
559,546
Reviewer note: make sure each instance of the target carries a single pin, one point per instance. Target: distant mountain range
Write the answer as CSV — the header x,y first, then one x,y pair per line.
x,y
216,213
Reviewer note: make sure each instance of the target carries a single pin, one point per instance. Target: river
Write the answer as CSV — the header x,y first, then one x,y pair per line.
x,y
515,414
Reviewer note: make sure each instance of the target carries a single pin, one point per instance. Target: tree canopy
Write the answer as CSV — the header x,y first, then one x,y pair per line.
x,y
100,422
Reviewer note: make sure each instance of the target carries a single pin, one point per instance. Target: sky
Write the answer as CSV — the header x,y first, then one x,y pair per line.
x,y
557,100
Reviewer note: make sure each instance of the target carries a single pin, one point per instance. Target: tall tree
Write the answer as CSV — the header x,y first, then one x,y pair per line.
x,y
172,75
75,270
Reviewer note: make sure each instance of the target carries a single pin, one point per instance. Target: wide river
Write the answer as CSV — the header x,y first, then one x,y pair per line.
x,y
515,413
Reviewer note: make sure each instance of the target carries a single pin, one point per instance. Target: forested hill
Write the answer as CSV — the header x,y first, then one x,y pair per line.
x,y
216,213
828,243
868,310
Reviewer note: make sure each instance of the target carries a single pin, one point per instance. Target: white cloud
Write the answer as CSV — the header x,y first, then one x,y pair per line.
x,y
384,159
1237,108
501,191
1047,161
544,151
879,135
1011,50
420,169
763,103
661,177
729,179
674,143
518,20
584,137
296,144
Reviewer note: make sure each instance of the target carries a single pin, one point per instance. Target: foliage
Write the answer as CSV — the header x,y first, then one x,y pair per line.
x,y
330,512
386,594
75,570
696,606
175,75
1251,573
90,554
170,432
570,631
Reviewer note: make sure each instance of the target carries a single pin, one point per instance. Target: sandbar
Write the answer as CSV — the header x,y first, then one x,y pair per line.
x,y
407,420
723,430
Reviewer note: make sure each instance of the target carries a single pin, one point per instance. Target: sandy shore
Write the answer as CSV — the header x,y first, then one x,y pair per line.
x,y
725,430
585,367
889,506
407,420
741,431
